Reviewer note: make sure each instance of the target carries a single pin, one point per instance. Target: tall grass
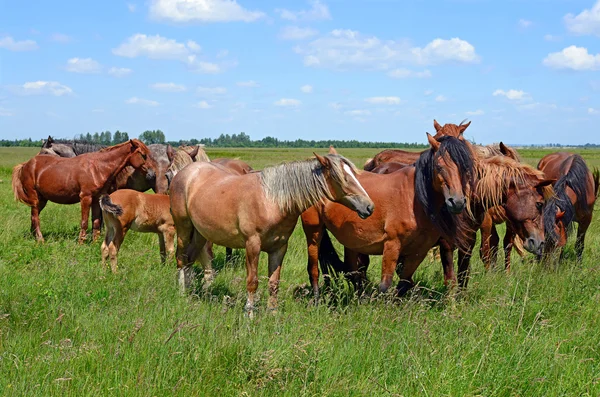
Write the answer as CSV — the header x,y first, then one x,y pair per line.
x,y
70,327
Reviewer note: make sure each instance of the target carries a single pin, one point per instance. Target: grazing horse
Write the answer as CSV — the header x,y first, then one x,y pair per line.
x,y
256,211
414,207
129,177
143,212
70,180
576,190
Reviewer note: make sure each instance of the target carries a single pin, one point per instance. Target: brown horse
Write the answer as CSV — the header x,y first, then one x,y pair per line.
x,y
71,180
146,213
576,190
256,211
414,207
406,157
129,177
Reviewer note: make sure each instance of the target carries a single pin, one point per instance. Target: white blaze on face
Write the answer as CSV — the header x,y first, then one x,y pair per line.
x,y
349,172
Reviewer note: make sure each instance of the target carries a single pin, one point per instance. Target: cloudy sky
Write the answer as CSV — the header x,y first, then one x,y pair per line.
x,y
522,71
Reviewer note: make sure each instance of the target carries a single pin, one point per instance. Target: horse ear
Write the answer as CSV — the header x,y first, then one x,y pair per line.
x,y
50,140
194,152
559,214
503,149
435,145
170,153
463,127
436,125
323,160
332,150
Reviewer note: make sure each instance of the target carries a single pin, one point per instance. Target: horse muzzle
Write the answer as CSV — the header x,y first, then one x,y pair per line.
x,y
367,212
535,246
455,204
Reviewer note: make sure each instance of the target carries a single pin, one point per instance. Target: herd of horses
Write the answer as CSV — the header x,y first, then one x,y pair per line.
x,y
400,206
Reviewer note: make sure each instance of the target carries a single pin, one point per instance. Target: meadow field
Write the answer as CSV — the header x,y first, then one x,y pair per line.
x,y
69,327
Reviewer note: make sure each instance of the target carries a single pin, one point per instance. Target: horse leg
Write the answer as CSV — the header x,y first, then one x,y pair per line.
x,y
391,254
35,219
86,203
582,228
355,274
96,219
409,266
275,262
162,248
494,246
447,258
206,257
252,256
168,237
114,246
508,245
464,260
313,234
228,254
110,234
486,234
185,231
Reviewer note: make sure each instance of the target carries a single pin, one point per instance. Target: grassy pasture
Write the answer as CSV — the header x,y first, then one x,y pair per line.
x,y
70,327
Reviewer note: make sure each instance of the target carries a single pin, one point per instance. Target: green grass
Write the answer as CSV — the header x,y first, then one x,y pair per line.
x,y
70,327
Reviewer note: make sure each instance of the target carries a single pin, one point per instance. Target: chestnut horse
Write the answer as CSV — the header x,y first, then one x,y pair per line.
x,y
414,207
143,212
576,190
256,211
129,177
71,180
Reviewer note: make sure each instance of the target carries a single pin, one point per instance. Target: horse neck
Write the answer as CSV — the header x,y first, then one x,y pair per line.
x,y
112,157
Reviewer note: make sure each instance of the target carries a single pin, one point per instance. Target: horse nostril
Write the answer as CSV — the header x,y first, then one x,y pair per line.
x,y
451,200
370,208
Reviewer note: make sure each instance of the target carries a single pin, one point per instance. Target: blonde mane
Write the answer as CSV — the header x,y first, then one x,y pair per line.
x,y
496,174
298,185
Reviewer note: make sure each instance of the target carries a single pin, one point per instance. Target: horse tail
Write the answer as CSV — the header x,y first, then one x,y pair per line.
x,y
109,207
17,184
370,165
328,257
596,174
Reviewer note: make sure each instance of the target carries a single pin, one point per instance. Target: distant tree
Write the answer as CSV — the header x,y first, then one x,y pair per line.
x,y
154,136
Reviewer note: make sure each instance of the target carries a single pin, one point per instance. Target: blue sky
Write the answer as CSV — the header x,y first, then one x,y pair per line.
x,y
523,71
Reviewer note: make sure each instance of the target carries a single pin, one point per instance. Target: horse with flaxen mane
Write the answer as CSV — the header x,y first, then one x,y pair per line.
x,y
576,190
414,207
256,211
129,177
79,179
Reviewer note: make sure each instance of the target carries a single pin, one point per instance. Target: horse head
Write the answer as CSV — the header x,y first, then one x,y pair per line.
x,y
340,176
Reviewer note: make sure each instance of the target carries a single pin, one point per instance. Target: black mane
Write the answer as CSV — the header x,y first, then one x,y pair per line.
x,y
458,151
575,178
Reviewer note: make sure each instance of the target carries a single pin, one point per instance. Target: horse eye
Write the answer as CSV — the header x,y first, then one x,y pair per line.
x,y
539,206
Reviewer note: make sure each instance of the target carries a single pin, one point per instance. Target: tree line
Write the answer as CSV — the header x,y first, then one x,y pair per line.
x,y
237,140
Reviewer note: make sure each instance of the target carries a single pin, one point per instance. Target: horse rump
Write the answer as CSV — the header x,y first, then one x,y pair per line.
x,y
109,207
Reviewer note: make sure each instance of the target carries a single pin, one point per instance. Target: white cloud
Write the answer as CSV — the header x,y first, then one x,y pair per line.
x,y
428,92
575,58
140,101
5,112
513,95
44,88
296,33
347,49
186,11
586,23
248,84
155,47
61,38
318,11
83,65
406,73
524,23
358,112
307,89
441,98
593,111
168,87
203,105
202,66
384,100
211,90
288,102
477,112
10,44
119,72
131,7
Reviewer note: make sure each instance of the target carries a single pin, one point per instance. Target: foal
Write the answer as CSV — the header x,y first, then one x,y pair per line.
x,y
146,213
